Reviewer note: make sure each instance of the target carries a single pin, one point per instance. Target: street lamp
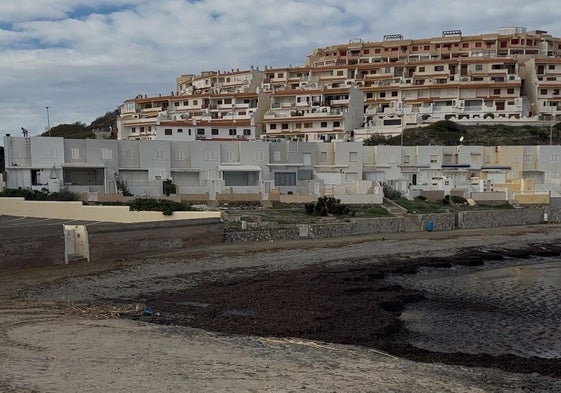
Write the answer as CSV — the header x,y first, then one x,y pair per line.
x,y
48,120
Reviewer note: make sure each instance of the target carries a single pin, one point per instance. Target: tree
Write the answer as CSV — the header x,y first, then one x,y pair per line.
x,y
76,130
325,206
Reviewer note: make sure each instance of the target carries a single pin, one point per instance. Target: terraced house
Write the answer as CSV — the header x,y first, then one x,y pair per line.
x,y
347,92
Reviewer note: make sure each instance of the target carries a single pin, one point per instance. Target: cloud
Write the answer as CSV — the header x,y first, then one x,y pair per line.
x,y
83,60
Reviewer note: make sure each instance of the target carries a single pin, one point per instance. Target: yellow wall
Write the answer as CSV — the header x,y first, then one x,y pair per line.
x,y
532,199
77,211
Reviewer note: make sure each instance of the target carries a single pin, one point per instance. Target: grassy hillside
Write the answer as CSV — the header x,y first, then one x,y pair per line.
x,y
78,130
449,133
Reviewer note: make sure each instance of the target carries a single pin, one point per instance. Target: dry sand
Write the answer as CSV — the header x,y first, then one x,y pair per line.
x,y
50,341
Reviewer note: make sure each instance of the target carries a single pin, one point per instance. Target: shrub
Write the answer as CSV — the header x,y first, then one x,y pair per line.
x,y
390,192
325,206
150,204
34,195
169,188
458,200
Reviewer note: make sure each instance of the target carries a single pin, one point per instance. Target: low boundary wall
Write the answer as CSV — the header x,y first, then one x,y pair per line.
x,y
31,246
411,223
112,241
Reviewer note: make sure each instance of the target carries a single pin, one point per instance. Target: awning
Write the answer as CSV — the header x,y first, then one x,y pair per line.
x,y
82,165
239,168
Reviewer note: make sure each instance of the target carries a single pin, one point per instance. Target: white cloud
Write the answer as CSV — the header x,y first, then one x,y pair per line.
x,y
83,60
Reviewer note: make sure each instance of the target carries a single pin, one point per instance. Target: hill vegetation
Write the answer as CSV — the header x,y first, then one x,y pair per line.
x,y
447,132
78,130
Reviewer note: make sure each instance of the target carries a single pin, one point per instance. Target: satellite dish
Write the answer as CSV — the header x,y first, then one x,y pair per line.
x,y
461,138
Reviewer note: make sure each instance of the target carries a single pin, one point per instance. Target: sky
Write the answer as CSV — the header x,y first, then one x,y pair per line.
x,y
83,58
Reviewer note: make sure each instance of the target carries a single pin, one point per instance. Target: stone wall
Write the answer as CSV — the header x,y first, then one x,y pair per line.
x,y
499,218
411,223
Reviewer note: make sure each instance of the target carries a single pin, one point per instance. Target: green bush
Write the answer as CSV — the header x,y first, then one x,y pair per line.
x,y
458,200
34,195
325,206
150,204
390,193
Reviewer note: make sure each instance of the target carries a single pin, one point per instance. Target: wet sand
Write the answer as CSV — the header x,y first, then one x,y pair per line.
x,y
80,328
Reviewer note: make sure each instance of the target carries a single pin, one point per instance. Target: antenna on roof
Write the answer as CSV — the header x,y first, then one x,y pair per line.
x,y
25,132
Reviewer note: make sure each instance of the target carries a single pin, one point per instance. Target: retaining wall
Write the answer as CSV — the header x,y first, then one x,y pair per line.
x,y
440,222
112,241
31,246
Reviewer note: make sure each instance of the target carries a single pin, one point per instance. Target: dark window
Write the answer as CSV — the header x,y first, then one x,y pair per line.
x,y
284,126
180,130
323,124
200,131
285,179
305,174
168,131
273,127
247,131
232,131
336,124
214,131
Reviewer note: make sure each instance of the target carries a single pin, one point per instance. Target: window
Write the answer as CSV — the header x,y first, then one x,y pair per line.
x,y
141,129
426,47
415,48
75,154
323,156
479,67
528,157
133,130
366,51
159,155
336,124
180,155
478,44
421,69
406,159
247,132
510,91
353,156
339,73
307,158
307,125
298,125
433,159
439,68
285,179
200,131
276,156
284,126
176,103
377,50
497,92
305,174
383,94
323,124
106,154
195,102
214,131
232,131
167,131
465,45
210,155
272,126
551,66
543,92
180,130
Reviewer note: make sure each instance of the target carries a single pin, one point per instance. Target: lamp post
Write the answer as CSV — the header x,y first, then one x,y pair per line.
x,y
48,120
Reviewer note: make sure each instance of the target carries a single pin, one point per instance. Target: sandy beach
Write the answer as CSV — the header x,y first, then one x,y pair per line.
x,y
77,327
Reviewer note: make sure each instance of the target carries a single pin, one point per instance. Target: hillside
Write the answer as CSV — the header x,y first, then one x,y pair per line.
x,y
450,133
104,126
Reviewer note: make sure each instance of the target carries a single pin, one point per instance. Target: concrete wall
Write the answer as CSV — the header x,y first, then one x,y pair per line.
x,y
112,241
499,218
31,246
77,211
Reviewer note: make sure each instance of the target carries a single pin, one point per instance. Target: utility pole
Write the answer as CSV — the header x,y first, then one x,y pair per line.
x,y
48,120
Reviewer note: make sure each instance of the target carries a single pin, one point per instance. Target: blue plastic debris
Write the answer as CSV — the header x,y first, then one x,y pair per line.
x,y
148,311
